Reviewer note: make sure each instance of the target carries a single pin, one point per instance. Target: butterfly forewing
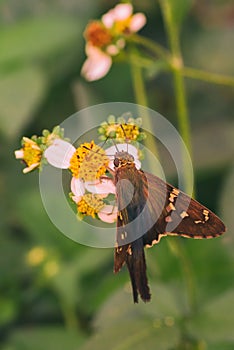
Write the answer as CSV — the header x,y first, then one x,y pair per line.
x,y
181,215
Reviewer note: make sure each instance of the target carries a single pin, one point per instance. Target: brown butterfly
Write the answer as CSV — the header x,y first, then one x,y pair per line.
x,y
149,208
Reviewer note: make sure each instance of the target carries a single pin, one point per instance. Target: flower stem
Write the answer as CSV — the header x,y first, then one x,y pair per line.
x,y
178,80
141,99
184,129
207,76
152,46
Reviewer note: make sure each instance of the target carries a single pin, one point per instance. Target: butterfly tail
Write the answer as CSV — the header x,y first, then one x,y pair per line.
x,y
136,264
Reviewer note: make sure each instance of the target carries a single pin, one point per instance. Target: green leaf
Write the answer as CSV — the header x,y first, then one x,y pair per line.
x,y
36,38
121,324
40,338
21,93
214,321
135,335
8,310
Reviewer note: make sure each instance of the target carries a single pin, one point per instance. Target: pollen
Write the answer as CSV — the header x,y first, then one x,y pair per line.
x,y
89,162
122,26
90,204
97,34
127,131
31,152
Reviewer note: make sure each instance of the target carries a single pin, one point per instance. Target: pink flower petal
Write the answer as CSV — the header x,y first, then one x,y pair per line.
x,y
108,19
112,50
97,65
122,11
77,187
59,154
105,186
137,22
108,213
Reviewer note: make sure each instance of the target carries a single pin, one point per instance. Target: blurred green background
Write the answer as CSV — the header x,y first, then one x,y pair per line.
x,y
57,294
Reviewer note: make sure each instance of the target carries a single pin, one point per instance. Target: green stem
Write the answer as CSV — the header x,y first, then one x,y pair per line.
x,y
152,46
178,80
207,76
138,85
141,99
184,129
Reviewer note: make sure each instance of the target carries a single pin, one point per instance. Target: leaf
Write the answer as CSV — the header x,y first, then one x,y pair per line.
x,y
8,310
214,321
136,335
40,338
21,93
36,38
120,324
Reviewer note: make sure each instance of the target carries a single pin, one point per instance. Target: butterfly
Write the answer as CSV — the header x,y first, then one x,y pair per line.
x,y
149,208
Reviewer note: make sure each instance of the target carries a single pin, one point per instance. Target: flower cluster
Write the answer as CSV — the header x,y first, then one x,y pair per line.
x,y
91,167
107,37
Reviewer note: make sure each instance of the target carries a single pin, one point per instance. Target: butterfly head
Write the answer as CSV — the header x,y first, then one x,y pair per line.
x,y
122,159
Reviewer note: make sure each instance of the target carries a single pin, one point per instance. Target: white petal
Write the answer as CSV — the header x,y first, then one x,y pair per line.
x,y
59,154
100,187
19,154
30,168
122,11
97,65
108,213
137,22
77,187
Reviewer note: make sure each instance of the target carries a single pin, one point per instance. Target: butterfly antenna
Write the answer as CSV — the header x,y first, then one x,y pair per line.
x,y
121,125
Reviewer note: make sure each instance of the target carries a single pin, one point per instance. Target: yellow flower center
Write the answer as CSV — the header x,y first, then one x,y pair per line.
x,y
127,131
32,153
90,204
97,34
122,27
89,162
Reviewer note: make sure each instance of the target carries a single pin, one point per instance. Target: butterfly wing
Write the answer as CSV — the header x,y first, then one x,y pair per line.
x,y
149,208
181,215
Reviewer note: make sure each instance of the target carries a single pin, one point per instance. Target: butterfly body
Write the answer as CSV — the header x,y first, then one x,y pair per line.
x,y
149,208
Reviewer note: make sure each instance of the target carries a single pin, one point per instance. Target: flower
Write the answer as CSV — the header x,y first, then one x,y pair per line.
x,y
121,129
121,20
87,162
106,38
36,256
92,204
30,153
33,150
